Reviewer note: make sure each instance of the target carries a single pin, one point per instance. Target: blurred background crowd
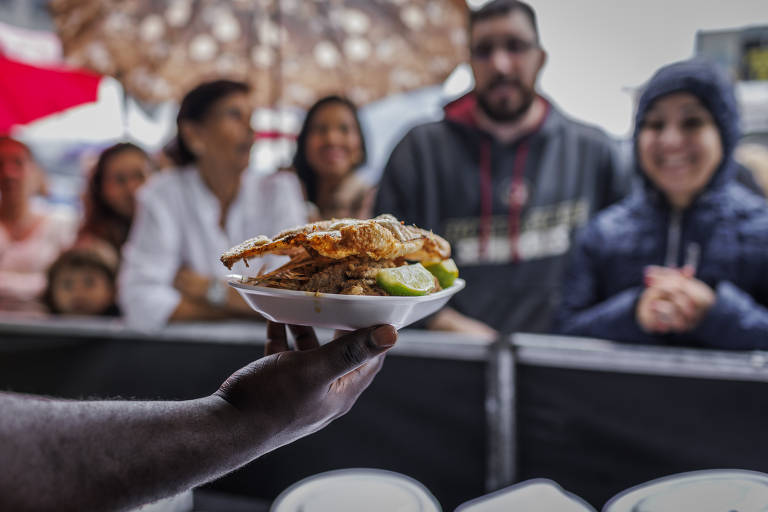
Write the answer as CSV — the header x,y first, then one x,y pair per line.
x,y
142,139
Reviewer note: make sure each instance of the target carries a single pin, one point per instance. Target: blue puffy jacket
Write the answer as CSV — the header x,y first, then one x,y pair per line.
x,y
724,231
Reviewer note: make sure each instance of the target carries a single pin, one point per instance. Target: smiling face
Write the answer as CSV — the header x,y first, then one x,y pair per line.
x,y
333,145
224,136
679,147
506,59
124,173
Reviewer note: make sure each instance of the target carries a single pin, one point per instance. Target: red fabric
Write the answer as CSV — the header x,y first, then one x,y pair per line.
x,y
486,199
274,135
462,110
31,92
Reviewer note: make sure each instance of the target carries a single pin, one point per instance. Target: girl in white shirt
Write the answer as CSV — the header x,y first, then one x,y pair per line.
x,y
187,217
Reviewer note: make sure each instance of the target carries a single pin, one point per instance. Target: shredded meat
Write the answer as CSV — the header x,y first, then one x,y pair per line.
x,y
348,276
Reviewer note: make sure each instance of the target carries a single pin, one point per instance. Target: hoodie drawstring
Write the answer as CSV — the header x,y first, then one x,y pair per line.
x,y
486,199
517,199
517,194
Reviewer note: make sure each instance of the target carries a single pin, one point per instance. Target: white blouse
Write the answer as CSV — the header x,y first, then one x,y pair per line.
x,y
177,224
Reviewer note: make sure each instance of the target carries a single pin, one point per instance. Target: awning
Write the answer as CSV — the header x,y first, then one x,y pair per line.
x,y
30,92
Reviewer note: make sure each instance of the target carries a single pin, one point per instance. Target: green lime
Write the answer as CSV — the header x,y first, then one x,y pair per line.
x,y
406,280
445,271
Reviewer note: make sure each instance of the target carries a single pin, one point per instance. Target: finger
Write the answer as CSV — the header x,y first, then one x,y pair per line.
x,y
663,313
338,333
670,316
688,271
351,351
304,337
685,307
358,380
666,287
277,340
655,273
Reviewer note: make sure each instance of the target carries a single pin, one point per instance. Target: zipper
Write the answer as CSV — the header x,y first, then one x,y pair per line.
x,y
674,236
674,241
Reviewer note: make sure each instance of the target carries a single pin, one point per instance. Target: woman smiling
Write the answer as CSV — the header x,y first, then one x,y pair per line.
x,y
683,260
187,216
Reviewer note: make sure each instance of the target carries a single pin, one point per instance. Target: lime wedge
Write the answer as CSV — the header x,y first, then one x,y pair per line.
x,y
445,271
406,280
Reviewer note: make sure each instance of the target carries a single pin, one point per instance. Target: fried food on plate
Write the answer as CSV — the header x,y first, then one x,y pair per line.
x,y
341,255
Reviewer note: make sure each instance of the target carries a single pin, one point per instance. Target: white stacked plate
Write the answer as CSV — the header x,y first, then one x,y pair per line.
x,y
336,311
355,490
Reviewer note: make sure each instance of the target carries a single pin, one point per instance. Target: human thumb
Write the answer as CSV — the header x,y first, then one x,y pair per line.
x,y
354,349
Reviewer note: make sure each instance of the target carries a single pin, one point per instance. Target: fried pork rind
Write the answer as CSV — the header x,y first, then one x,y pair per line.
x,y
383,237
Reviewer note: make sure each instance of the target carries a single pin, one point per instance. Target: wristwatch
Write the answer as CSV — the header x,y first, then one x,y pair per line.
x,y
216,295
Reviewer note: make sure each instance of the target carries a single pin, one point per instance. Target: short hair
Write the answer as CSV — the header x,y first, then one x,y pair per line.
x,y
195,106
304,171
496,8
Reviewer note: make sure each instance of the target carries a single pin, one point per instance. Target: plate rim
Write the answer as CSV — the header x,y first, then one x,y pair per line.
x,y
233,280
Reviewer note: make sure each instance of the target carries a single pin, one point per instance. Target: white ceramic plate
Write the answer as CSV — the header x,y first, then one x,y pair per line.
x,y
336,311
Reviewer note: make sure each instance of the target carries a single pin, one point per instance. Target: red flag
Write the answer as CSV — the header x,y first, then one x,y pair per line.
x,y
31,92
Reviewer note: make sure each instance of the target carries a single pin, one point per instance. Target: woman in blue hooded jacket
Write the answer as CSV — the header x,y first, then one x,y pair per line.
x,y
684,259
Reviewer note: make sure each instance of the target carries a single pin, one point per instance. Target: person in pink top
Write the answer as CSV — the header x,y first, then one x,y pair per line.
x,y
31,237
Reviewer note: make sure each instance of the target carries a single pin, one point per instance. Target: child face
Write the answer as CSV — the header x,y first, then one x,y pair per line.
x,y
82,291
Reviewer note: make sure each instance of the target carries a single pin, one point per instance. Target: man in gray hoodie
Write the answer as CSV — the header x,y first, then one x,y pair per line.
x,y
506,177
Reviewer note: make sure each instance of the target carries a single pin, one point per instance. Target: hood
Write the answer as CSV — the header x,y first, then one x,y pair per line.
x,y
461,110
713,88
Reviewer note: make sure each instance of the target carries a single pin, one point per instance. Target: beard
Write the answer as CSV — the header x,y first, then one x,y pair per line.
x,y
504,110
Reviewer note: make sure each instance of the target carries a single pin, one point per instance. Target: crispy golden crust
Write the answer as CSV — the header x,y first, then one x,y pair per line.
x,y
383,237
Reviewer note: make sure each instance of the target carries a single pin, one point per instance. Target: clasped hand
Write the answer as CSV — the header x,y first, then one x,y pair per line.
x,y
673,301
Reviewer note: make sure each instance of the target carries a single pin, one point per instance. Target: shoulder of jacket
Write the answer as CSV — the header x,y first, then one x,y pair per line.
x,y
581,130
616,220
750,209
432,129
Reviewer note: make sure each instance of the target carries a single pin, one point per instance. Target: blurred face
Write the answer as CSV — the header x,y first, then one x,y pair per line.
x,y
17,172
679,147
82,291
333,146
506,60
225,136
124,173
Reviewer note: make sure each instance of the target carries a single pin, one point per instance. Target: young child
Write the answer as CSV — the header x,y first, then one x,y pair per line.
x,y
82,282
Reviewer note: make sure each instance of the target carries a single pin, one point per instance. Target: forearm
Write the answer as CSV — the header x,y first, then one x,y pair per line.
x,y
735,321
448,319
191,310
133,453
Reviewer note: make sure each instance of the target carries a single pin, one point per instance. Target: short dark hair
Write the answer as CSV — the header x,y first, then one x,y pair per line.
x,y
496,8
194,107
300,164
